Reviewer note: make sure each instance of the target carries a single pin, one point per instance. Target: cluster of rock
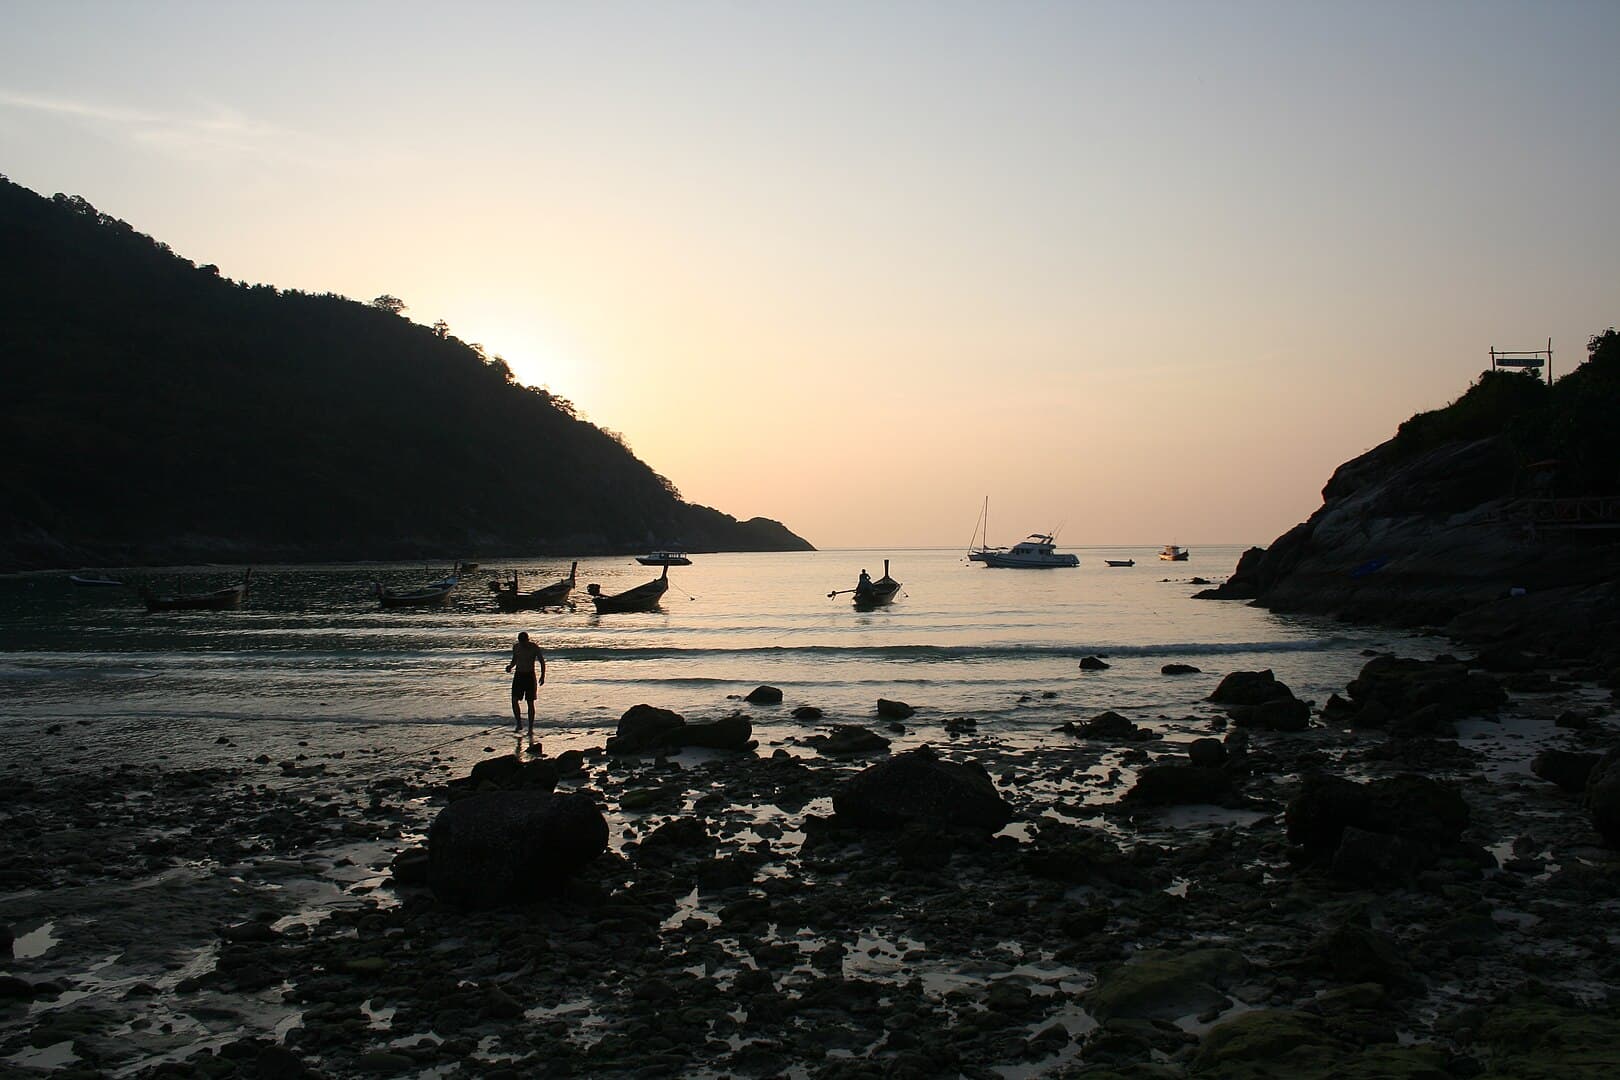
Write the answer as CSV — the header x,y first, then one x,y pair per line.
x,y
1109,727
1380,832
645,728
1414,697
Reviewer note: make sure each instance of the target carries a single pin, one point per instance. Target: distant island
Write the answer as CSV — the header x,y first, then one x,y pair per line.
x,y
1495,519
157,413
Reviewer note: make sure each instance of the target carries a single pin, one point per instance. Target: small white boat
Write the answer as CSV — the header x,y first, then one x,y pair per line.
x,y
95,582
673,557
1171,553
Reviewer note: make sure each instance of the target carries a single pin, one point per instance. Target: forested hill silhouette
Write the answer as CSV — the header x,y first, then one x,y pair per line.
x,y
154,412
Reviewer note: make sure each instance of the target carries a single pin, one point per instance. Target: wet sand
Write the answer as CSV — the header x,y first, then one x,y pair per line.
x,y
237,917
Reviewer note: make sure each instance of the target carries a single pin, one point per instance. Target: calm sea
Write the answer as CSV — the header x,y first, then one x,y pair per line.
x,y
312,650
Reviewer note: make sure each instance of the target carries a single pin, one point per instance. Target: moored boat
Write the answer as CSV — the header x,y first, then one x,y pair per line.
x,y
225,599
1120,562
1035,552
553,595
1172,553
94,582
669,557
434,595
641,598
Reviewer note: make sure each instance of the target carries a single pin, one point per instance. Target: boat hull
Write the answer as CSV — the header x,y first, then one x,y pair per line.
x,y
641,598
425,598
663,560
878,594
219,600
1001,560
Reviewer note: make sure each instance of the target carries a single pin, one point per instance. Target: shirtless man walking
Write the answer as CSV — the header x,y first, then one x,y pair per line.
x,y
525,684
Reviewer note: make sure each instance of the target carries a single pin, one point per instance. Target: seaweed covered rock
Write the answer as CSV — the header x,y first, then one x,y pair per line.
x,y
1160,984
919,787
511,847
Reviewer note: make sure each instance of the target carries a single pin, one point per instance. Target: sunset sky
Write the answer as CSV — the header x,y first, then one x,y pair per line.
x,y
1145,271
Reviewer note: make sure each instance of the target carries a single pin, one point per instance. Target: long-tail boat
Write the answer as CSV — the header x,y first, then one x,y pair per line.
x,y
641,598
553,595
225,599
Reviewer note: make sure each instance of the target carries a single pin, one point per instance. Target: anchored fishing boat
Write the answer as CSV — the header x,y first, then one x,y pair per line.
x,y
670,557
225,599
1172,553
641,598
553,595
434,595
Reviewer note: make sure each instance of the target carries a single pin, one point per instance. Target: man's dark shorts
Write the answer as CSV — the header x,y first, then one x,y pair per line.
x,y
524,686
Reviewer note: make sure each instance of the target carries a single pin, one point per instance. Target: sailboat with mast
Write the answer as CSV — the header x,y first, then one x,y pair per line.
x,y
1037,551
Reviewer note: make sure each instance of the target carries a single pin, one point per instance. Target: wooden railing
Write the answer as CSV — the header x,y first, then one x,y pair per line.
x,y
1584,512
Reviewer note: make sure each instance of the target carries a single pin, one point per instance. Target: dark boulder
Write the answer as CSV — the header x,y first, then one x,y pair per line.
x,y
1279,714
511,847
1603,797
894,710
506,773
918,787
1370,858
1176,785
411,868
1207,752
1093,663
686,835
642,727
1179,669
1358,954
764,695
1110,726
1402,686
1424,813
1250,688
807,712
1565,768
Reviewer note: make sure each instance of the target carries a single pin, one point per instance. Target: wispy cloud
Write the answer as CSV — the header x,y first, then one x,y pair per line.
x,y
214,133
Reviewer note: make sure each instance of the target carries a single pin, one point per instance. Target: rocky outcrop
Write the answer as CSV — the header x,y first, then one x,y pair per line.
x,y
1432,528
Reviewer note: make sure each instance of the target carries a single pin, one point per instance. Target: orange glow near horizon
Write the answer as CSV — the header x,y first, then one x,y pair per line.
x,y
1148,272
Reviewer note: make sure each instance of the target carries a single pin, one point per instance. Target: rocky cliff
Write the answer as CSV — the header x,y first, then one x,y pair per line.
x,y
1491,519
